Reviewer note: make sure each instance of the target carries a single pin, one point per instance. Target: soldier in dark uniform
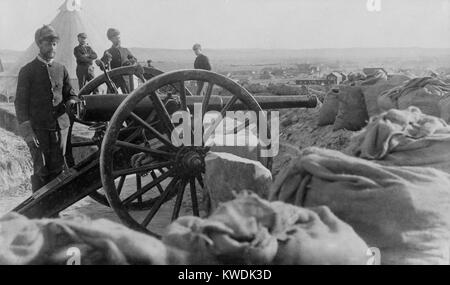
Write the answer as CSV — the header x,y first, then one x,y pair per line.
x,y
85,56
43,91
201,62
118,56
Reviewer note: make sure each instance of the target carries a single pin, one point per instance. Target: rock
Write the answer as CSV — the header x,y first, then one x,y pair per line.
x,y
227,174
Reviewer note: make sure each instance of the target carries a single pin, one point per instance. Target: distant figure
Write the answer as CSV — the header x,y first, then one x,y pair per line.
x,y
149,63
118,56
43,92
85,56
201,62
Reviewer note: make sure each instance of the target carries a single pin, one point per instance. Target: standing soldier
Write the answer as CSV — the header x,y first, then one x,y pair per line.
x,y
43,91
201,62
85,56
118,56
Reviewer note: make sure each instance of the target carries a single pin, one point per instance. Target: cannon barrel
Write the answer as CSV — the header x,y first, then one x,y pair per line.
x,y
101,108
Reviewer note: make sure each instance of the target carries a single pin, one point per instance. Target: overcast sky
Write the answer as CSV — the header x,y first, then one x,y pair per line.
x,y
283,24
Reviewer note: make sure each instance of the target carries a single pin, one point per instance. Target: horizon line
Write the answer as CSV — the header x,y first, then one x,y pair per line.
x,y
271,49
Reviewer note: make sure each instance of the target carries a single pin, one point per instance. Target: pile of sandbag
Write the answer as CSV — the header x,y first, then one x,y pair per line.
x,y
403,211
430,95
350,106
404,138
247,230
344,107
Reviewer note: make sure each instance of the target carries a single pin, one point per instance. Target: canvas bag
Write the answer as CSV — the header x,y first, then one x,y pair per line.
x,y
405,138
329,109
403,211
352,114
424,93
250,230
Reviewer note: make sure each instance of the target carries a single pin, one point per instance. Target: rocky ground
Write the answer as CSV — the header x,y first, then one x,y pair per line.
x,y
298,131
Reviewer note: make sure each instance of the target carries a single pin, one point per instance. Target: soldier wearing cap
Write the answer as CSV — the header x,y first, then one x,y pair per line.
x,y
118,56
85,56
201,62
43,91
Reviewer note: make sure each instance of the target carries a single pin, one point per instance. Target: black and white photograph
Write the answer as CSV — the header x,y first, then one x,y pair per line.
x,y
224,132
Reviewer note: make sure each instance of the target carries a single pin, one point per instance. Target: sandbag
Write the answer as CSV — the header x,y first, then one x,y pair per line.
x,y
374,79
424,93
250,230
444,105
329,109
398,79
371,96
403,211
372,92
405,138
426,100
54,242
352,114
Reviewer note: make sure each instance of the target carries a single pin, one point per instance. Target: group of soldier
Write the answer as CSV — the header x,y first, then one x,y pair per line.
x,y
44,93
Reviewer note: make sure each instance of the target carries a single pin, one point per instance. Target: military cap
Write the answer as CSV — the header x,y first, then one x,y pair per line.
x,y
82,35
47,32
196,46
112,33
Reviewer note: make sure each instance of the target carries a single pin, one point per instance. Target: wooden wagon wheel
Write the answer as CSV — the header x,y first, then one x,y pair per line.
x,y
144,73
172,167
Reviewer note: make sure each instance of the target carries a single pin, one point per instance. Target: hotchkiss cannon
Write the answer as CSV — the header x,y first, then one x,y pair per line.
x,y
129,125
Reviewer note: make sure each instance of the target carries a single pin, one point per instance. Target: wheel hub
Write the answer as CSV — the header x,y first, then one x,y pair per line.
x,y
190,161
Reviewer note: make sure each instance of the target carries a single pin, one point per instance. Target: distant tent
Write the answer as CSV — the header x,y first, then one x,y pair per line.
x,y
68,23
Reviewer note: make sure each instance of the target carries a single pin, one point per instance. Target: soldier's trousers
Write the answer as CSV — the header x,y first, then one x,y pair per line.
x,y
85,73
48,158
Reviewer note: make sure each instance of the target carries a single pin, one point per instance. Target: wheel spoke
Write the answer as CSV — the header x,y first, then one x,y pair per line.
x,y
194,200
183,96
139,187
162,113
146,188
227,107
159,202
120,185
144,168
200,181
157,134
144,149
212,128
207,98
131,80
160,189
241,127
180,194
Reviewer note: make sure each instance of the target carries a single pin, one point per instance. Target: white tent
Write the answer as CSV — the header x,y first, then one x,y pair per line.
x,y
68,23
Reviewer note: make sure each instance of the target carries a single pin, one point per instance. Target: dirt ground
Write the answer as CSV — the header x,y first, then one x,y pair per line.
x,y
298,130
